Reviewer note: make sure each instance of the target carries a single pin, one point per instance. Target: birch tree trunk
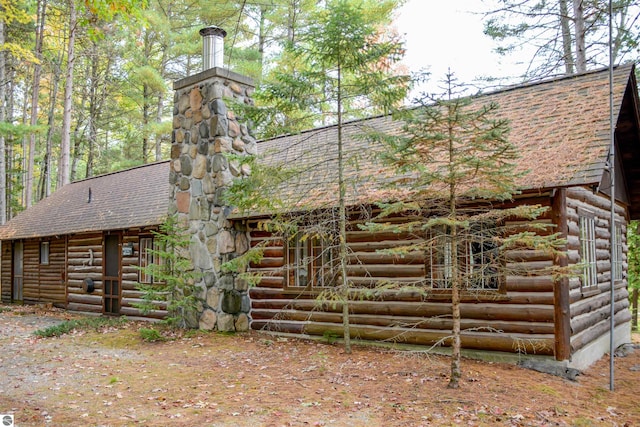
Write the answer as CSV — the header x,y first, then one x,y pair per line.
x,y
64,169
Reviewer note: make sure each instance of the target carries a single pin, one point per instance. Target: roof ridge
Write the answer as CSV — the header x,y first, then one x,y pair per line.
x,y
120,171
480,94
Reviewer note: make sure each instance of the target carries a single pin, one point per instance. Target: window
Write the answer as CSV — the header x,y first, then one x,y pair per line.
x,y
311,260
148,256
478,255
44,253
617,253
588,251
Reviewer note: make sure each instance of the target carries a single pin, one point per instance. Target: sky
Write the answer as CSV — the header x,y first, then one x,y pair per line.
x,y
446,34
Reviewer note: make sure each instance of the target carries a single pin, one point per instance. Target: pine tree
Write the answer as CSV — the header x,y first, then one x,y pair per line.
x,y
343,69
455,162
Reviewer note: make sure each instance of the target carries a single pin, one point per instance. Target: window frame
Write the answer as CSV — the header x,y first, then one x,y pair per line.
x,y
313,253
45,252
588,250
441,250
145,258
617,268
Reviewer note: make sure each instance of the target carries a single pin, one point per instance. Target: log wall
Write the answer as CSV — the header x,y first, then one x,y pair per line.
x,y
86,261
84,257
71,260
5,272
590,309
520,318
42,283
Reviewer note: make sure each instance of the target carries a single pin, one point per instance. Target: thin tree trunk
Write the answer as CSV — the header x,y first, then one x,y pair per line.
x,y
93,114
456,372
567,51
10,97
64,170
158,154
160,107
46,172
578,16
342,223
145,122
35,92
3,164
291,21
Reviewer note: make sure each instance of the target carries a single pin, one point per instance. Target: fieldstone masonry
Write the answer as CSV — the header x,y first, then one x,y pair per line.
x,y
204,130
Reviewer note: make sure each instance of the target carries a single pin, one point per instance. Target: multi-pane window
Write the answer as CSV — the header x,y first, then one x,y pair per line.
x,y
617,253
588,251
476,253
311,260
44,253
148,255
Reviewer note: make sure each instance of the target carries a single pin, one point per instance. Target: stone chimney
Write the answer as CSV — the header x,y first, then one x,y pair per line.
x,y
204,129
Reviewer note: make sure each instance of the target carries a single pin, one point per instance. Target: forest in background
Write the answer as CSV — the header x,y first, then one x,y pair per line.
x,y
86,85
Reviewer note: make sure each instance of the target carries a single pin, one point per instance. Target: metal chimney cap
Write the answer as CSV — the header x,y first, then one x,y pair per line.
x,y
213,31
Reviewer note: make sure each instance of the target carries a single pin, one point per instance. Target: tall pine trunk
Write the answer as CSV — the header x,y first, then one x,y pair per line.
x,y
580,35
567,50
35,92
64,166
46,163
3,164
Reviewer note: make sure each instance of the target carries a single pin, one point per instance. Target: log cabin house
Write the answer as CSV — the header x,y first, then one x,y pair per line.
x,y
79,248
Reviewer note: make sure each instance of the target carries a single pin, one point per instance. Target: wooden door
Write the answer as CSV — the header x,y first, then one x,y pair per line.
x,y
17,281
111,274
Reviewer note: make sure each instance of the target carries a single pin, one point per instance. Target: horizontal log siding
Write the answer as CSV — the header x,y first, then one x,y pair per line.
x,y
31,274
5,272
42,283
52,276
590,311
521,319
84,256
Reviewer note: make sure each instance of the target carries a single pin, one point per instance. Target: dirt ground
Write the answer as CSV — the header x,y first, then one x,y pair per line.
x,y
113,378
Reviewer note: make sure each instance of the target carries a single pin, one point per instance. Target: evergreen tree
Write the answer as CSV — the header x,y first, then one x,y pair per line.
x,y
454,162
172,276
343,69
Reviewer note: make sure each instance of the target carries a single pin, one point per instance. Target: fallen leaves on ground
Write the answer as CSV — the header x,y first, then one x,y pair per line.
x,y
113,378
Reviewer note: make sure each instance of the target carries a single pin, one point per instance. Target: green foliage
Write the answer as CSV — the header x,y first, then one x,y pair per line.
x,y
343,53
454,161
151,335
173,276
340,67
87,323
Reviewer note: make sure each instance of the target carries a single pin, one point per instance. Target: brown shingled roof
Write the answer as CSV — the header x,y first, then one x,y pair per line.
x,y
560,126
135,197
